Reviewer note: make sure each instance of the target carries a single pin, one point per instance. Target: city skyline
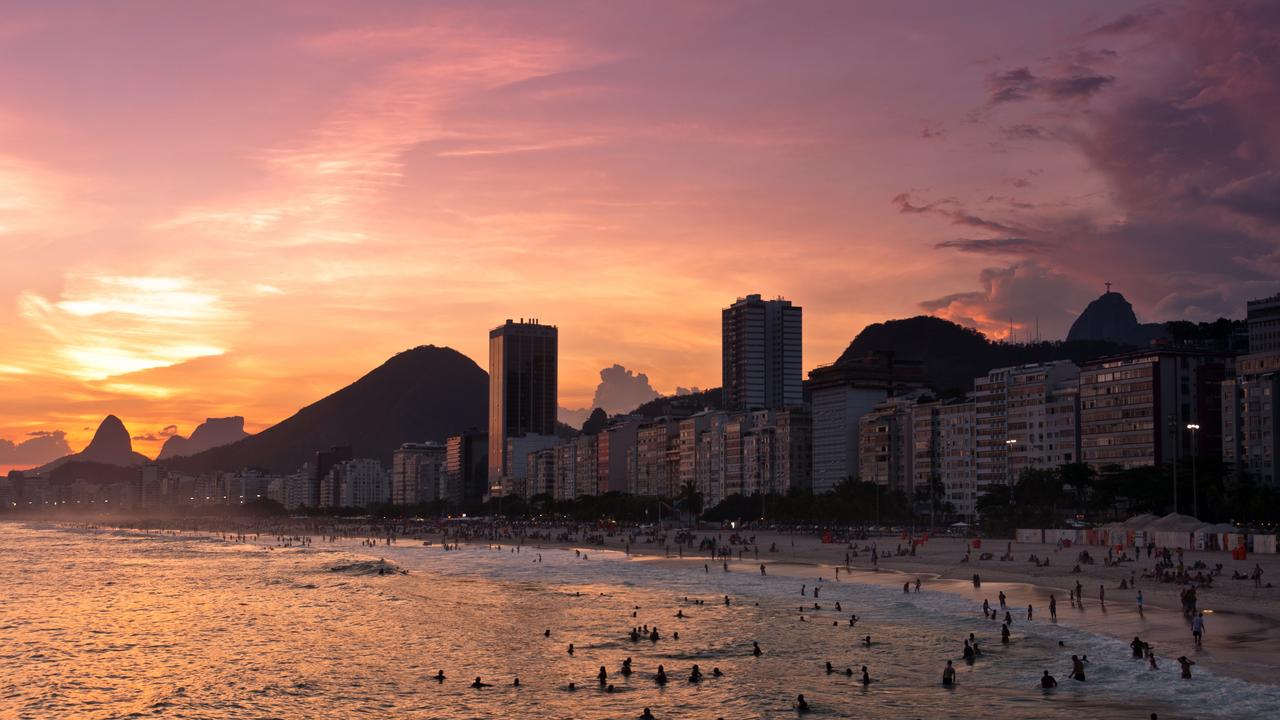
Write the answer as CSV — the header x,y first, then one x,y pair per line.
x,y
189,255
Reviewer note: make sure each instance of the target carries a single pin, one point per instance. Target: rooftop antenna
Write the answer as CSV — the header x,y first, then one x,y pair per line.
x,y
1108,287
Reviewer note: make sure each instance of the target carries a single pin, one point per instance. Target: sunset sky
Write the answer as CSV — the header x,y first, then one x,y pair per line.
x,y
234,208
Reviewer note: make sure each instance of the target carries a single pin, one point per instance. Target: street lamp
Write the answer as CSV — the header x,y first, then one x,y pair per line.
x,y
1195,498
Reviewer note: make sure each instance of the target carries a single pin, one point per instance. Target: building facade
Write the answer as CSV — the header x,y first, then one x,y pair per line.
x,y
523,366
762,361
1136,409
839,396
417,473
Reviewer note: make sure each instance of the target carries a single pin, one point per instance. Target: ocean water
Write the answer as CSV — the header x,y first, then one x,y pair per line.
x,y
120,624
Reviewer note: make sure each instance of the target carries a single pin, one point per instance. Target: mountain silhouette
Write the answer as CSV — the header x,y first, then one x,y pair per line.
x,y
427,393
954,355
1110,318
212,433
110,446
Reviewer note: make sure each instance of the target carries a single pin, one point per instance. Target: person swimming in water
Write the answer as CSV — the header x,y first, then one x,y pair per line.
x,y
477,684
570,648
546,633
646,715
866,676
626,667
838,609
1048,681
516,683
1004,634
830,668
974,642
801,705
949,673
968,652
439,676
853,620
661,677
867,641
715,672
603,675
755,649
695,675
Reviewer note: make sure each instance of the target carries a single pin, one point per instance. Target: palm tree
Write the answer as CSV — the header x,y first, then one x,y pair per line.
x,y
690,498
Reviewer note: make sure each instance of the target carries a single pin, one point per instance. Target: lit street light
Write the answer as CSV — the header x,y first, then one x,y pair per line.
x,y
1195,498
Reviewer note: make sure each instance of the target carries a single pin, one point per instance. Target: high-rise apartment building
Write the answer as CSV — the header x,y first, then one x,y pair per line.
x,y
1136,409
761,354
886,453
1025,417
417,473
840,395
466,470
522,390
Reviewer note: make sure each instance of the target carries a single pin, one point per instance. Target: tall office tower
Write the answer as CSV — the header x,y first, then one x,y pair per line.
x,y
522,389
761,354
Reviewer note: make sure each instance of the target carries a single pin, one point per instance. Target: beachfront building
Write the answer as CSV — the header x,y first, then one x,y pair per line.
x,y
761,353
516,479
417,473
1136,408
466,468
523,362
655,442
1025,417
356,483
840,395
1251,416
887,443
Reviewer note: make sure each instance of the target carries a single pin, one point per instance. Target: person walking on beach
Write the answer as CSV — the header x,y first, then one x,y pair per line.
x,y
1197,627
1102,595
1139,603
1053,608
1028,613
1004,634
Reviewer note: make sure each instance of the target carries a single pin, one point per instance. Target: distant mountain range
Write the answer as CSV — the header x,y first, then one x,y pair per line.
x,y
427,393
212,433
430,393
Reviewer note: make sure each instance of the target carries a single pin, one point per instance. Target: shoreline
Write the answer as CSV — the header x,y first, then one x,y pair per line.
x,y
1243,624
